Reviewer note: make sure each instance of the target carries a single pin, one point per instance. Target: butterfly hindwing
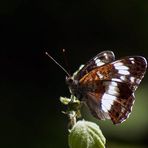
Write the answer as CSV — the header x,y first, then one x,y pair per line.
x,y
109,100
117,100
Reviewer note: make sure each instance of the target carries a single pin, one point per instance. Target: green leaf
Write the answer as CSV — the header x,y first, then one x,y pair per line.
x,y
85,134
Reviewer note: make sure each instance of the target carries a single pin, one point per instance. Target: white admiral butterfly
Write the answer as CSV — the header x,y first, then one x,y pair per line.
x,y
108,85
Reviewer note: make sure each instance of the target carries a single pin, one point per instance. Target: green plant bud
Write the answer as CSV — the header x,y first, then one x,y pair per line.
x,y
65,100
85,134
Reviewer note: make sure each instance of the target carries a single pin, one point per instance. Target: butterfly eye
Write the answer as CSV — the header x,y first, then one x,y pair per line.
x,y
69,80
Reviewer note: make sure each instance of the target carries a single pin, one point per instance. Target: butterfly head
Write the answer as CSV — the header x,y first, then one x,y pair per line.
x,y
72,84
69,80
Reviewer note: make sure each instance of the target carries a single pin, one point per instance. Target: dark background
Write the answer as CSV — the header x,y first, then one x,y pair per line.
x,y
31,84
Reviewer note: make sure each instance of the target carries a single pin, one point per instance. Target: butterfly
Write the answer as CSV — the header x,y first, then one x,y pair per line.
x,y
108,85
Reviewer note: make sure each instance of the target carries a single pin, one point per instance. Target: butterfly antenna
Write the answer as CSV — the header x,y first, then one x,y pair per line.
x,y
57,63
66,60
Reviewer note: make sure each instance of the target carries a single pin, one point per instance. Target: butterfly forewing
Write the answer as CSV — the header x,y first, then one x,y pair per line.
x,y
97,61
109,88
